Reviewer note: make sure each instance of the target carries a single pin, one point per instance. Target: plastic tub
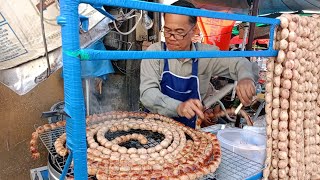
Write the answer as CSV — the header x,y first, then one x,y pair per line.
x,y
214,129
245,143
259,130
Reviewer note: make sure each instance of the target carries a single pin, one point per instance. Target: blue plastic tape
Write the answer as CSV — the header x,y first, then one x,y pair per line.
x,y
66,167
157,7
123,55
73,95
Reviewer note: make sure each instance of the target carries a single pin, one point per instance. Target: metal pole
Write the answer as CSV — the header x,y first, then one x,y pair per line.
x,y
87,90
73,92
156,24
252,25
261,106
245,36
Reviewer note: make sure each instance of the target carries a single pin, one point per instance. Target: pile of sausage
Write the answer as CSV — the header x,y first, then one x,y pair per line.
x,y
182,153
293,101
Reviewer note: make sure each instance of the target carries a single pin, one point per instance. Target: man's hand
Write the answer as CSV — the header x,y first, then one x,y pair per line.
x,y
246,90
190,108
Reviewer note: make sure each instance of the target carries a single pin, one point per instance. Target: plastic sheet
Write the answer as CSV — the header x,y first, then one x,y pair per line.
x,y
96,68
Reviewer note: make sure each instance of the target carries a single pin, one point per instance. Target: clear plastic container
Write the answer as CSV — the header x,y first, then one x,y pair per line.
x,y
259,130
245,143
214,129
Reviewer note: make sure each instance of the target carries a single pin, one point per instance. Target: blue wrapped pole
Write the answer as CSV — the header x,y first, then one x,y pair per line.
x,y
157,7
66,167
90,54
74,100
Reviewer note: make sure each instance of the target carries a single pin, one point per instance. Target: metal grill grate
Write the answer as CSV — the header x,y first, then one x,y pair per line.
x,y
154,138
232,167
48,138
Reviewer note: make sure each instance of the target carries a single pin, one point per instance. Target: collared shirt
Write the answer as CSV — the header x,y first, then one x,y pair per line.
x,y
151,70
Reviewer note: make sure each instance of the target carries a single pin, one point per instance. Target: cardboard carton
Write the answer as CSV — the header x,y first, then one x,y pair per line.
x,y
20,29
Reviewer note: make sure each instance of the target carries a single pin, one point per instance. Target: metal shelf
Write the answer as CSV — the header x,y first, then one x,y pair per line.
x,y
232,167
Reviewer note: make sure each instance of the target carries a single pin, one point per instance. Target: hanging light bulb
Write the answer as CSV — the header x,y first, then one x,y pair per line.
x,y
146,20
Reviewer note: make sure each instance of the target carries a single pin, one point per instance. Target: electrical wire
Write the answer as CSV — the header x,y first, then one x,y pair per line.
x,y
125,71
121,18
125,16
133,28
122,70
129,46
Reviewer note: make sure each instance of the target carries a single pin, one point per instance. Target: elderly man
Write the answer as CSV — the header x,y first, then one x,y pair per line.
x,y
176,87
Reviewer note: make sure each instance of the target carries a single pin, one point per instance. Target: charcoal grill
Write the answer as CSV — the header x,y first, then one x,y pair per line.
x,y
232,166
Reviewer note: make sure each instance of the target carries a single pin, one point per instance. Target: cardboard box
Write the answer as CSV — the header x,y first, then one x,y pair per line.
x,y
23,78
20,29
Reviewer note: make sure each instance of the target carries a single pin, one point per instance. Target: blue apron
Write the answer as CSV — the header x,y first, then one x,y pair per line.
x,y
181,88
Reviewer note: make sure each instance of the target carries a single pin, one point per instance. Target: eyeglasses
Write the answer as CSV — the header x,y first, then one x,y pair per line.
x,y
176,36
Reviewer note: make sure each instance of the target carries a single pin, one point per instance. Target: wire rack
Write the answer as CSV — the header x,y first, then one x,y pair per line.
x,y
154,138
232,167
48,138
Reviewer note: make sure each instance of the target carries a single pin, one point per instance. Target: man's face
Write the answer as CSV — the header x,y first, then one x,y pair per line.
x,y
178,24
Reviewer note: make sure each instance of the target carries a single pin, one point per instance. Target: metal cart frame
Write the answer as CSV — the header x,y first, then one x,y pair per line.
x,y
72,54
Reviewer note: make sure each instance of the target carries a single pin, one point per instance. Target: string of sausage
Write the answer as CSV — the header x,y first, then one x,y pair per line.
x,y
174,157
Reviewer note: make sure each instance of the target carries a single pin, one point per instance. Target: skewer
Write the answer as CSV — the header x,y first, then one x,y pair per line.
x,y
236,112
